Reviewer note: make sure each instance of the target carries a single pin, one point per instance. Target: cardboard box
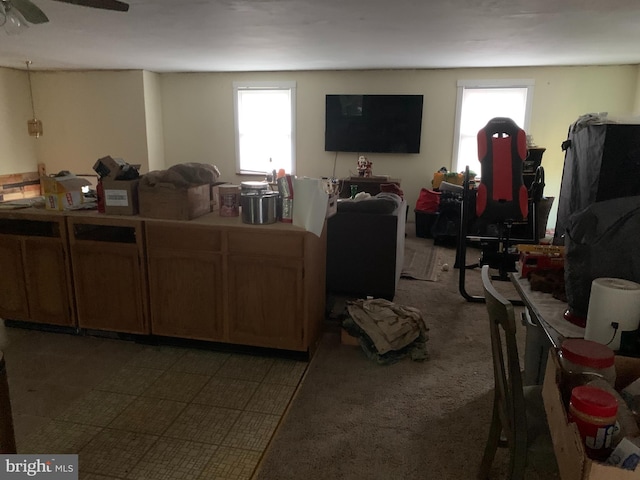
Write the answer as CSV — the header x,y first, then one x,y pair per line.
x,y
63,193
109,167
346,339
573,463
174,204
120,196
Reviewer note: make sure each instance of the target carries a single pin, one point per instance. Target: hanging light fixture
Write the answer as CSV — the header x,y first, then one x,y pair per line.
x,y
34,125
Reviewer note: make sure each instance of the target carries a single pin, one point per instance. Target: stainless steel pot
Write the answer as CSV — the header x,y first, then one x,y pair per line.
x,y
254,187
259,208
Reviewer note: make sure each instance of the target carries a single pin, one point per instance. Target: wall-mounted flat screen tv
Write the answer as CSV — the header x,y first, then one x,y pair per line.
x,y
373,123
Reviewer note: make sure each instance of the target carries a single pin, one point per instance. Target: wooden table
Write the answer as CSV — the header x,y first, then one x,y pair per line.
x,y
546,328
546,311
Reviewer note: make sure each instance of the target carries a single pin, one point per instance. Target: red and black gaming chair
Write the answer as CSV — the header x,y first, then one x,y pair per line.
x,y
501,200
502,149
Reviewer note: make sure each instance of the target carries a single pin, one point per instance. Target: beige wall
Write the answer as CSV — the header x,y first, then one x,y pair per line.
x,y
17,148
198,115
88,115
153,120
561,95
162,119
636,109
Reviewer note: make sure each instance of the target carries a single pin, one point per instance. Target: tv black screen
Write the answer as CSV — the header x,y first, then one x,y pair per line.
x,y
373,123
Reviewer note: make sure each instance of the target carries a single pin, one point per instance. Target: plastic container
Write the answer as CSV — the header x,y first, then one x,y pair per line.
x,y
581,358
594,412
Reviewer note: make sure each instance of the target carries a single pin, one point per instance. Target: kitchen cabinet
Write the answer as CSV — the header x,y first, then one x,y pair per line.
x,y
266,289
109,273
185,280
13,288
212,278
35,276
215,278
276,286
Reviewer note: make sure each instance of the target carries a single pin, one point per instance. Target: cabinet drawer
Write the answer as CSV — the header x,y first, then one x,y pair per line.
x,y
188,238
32,228
281,244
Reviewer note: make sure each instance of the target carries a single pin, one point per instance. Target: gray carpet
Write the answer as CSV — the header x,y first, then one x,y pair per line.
x,y
354,419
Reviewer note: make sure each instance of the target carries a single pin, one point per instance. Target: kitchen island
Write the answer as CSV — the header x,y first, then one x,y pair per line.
x,y
212,278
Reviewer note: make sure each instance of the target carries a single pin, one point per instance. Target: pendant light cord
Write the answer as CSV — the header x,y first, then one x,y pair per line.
x,y
33,109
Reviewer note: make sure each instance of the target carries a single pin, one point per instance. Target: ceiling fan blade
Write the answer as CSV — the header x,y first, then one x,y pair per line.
x,y
29,11
104,4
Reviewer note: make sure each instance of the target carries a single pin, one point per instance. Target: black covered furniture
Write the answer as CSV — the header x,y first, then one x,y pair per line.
x,y
365,246
602,162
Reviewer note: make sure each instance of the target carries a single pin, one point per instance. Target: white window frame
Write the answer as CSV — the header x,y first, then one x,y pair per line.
x,y
277,85
480,84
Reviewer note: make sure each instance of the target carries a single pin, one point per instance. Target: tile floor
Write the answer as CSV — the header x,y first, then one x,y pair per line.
x,y
134,411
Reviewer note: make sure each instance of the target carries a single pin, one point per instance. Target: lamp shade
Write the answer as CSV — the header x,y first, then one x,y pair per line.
x,y
35,127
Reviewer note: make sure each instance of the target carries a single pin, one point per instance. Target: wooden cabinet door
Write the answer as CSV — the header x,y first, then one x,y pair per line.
x,y
186,290
186,294
266,301
47,281
13,291
108,282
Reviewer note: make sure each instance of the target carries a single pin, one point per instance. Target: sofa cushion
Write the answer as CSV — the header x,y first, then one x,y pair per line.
x,y
383,203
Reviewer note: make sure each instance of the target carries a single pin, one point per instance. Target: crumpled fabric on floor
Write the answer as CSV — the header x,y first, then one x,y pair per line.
x,y
388,328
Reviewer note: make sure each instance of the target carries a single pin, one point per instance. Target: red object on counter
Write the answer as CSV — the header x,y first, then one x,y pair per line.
x,y
575,319
533,261
594,412
100,196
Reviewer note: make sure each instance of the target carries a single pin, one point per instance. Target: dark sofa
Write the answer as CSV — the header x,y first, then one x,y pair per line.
x,y
365,246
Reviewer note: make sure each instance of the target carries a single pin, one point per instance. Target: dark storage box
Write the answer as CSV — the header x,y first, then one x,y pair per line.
x,y
120,196
424,222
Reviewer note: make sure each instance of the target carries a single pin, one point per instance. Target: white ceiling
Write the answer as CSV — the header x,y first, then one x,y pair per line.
x,y
258,35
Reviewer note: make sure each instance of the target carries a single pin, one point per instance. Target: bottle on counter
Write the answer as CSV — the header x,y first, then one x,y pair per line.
x,y
100,196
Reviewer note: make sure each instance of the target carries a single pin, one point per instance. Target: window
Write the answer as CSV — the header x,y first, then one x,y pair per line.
x,y
265,126
478,102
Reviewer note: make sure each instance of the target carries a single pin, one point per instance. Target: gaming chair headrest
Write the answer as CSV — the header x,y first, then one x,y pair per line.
x,y
502,149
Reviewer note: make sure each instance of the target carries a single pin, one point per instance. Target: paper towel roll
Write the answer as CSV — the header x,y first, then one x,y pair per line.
x,y
612,300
